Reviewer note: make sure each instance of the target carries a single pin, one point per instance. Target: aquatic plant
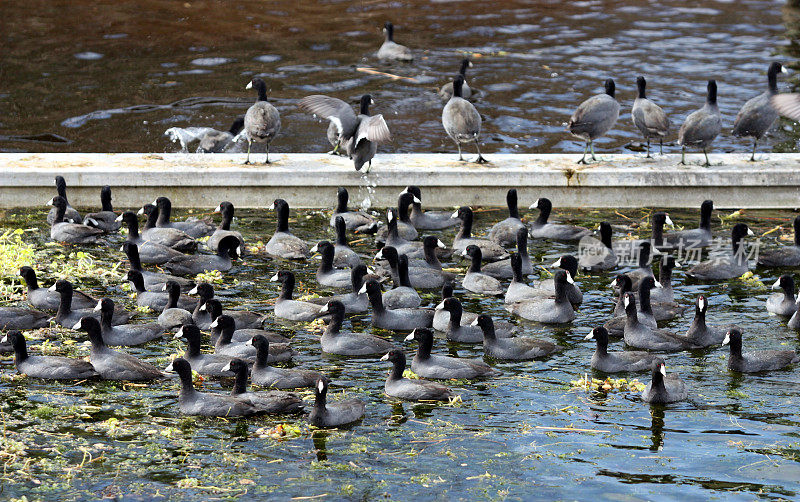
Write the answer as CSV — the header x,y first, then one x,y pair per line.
x,y
607,385
14,253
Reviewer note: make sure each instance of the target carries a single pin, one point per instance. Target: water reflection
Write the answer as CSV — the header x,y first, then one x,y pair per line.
x,y
656,427
320,439
735,380
423,410
398,416
241,431
419,410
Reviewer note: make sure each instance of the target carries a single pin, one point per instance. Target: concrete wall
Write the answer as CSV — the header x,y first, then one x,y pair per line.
x,y
310,180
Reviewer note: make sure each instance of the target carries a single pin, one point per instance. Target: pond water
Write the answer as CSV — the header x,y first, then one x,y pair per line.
x,y
101,76
528,433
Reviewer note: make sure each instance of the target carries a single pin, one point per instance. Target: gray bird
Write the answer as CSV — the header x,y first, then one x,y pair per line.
x,y
663,388
461,120
358,134
701,126
71,233
71,215
105,219
649,118
757,115
446,92
262,122
392,50
216,141
594,117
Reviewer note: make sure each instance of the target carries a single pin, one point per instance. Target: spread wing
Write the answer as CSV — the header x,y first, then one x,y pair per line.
x,y
374,129
337,111
787,105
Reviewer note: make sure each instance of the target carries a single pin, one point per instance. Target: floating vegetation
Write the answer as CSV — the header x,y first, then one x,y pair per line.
x,y
255,248
607,385
732,216
210,276
18,250
407,373
282,431
455,401
317,325
14,253
752,280
80,264
144,309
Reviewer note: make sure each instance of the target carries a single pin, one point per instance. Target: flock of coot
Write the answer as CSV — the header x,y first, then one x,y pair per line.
x,y
408,258
357,135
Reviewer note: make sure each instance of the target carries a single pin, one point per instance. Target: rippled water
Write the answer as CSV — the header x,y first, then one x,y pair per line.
x,y
735,438
117,83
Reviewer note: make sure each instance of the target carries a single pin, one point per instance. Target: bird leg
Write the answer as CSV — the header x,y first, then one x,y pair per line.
x,y
661,146
683,156
369,166
707,164
648,148
753,157
480,159
460,157
266,161
335,150
583,159
246,162
591,145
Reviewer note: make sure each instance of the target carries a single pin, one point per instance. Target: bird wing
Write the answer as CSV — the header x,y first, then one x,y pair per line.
x,y
337,111
374,129
787,105
699,126
755,117
593,110
461,120
135,368
652,117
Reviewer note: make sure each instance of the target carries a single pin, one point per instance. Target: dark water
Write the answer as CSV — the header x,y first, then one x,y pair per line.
x,y
735,438
112,77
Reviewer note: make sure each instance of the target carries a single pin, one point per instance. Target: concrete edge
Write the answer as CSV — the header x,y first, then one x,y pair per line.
x,y
309,180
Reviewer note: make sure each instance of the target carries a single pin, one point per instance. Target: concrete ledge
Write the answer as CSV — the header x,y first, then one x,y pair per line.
x,y
310,180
